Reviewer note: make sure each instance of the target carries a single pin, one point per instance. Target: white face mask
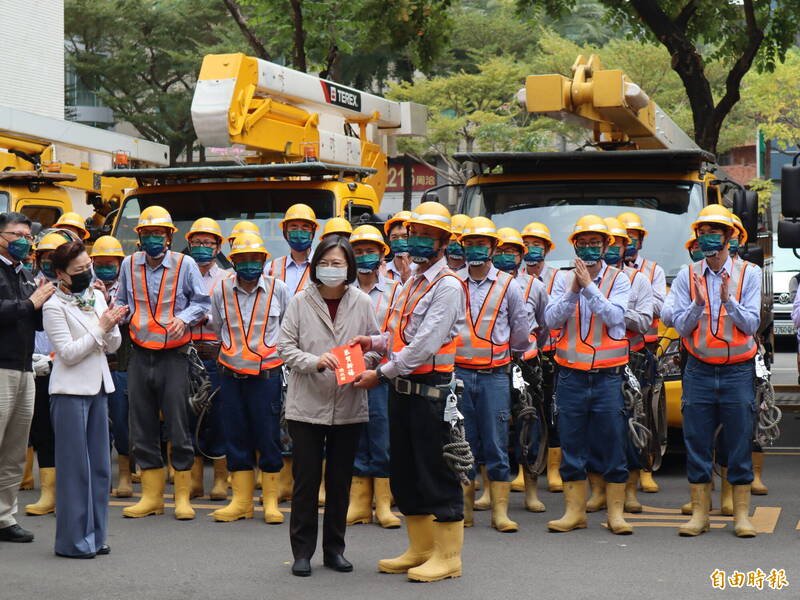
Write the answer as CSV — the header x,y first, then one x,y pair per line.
x,y
332,276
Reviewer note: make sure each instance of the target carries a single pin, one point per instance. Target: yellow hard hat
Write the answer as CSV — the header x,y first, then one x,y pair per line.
x,y
632,221
479,226
509,235
300,212
590,224
51,241
457,224
248,242
737,223
155,216
107,246
368,233
714,213
692,239
205,225
432,214
398,217
72,219
617,229
244,227
538,230
337,225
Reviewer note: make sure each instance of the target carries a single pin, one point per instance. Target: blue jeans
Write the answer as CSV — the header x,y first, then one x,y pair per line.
x,y
591,424
83,464
718,395
251,412
118,411
486,406
372,456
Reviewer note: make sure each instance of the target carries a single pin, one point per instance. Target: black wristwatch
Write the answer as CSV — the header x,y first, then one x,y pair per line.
x,y
381,377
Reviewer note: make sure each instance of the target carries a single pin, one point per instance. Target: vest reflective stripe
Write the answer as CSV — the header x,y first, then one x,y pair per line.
x,y
385,302
635,339
477,349
147,329
527,281
729,345
281,272
648,269
201,333
444,359
247,352
549,278
598,350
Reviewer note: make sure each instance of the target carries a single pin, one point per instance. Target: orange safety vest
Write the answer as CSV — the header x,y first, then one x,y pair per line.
x,y
727,344
149,330
601,351
648,269
477,350
281,272
635,339
443,360
201,333
533,352
247,353
548,276
385,302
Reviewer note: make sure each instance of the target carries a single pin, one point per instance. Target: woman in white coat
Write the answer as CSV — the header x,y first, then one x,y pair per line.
x,y
81,329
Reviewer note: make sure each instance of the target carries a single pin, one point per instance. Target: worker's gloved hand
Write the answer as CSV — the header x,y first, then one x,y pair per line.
x,y
41,365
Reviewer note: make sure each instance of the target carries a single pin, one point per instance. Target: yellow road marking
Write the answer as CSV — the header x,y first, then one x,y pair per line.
x,y
765,518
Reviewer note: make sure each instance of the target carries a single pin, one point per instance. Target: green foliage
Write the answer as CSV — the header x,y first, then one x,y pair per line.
x,y
764,188
774,101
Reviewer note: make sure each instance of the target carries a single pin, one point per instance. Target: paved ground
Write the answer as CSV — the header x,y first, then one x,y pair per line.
x,y
159,557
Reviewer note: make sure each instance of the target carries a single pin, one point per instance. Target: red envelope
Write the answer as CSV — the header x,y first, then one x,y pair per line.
x,y
351,361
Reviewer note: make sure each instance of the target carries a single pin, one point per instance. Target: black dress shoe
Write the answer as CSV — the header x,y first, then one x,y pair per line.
x,y
15,533
103,550
301,567
337,562
87,555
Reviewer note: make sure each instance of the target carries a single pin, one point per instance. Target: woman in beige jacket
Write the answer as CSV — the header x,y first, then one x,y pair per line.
x,y
324,418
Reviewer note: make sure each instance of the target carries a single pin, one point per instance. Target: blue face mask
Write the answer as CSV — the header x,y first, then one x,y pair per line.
x,y
106,272
535,254
476,255
154,245
589,254
612,255
505,262
399,246
733,247
697,255
47,269
367,263
249,270
632,249
19,249
710,243
299,240
201,254
455,250
27,265
420,249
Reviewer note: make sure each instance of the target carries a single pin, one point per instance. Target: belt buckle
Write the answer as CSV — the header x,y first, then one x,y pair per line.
x,y
593,371
402,386
239,375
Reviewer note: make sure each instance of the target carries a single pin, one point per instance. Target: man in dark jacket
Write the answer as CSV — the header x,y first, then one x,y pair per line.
x,y
20,315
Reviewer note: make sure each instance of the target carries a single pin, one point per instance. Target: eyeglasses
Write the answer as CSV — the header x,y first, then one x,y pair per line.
x,y
398,236
336,264
592,244
203,244
508,252
27,236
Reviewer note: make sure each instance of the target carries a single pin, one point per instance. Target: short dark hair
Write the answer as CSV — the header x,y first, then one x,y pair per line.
x,y
7,218
65,254
329,242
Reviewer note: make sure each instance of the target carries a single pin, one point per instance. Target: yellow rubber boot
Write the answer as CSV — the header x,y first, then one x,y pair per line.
x,y
646,482
383,504
726,495
615,499
597,501
152,501
27,474
632,504
469,504
136,474
445,562
485,501
575,505
270,484
47,500
554,483
257,474
532,502
183,492
321,493
741,512
241,505
686,509
518,485
170,469
219,491
198,490
420,546
701,499
360,509
500,520
286,480
758,487
124,485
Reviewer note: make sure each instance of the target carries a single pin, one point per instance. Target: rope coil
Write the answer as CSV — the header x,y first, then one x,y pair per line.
x,y
528,412
201,395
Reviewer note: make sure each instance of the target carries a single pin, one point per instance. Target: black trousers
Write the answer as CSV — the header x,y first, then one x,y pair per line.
x,y
549,370
337,444
41,436
421,481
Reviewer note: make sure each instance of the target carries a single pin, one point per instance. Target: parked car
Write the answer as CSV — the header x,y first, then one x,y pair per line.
x,y
785,273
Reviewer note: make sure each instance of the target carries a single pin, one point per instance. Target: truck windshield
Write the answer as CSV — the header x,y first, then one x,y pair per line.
x,y
666,207
264,207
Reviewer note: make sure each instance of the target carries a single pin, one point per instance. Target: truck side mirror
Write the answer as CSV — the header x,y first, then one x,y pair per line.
x,y
745,206
790,190
788,234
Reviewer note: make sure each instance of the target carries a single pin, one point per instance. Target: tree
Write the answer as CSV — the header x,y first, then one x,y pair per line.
x,y
774,100
695,32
